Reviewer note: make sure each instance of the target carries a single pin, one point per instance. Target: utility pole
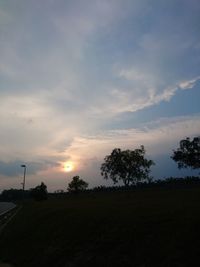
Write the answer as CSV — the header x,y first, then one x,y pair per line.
x,y
23,184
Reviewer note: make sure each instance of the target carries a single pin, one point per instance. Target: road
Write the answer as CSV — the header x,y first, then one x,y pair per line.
x,y
6,206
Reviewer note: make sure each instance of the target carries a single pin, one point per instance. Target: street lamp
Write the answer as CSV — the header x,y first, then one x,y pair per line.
x,y
23,184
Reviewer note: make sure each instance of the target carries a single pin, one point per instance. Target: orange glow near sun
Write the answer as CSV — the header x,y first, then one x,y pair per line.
x,y
68,166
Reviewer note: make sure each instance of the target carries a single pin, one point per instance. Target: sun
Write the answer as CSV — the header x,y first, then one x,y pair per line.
x,y
68,166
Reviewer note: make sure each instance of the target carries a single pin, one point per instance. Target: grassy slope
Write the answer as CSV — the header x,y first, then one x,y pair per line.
x,y
151,227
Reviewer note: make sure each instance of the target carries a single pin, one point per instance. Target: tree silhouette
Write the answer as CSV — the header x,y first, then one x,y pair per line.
x,y
77,185
39,192
188,154
128,166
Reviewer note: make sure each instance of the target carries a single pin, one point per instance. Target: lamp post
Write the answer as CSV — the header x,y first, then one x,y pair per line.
x,y
23,184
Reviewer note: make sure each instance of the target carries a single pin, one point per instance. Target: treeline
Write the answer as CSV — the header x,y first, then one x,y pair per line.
x,y
170,182
41,192
38,193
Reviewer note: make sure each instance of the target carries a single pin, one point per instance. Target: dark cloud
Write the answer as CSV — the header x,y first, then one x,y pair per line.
x,y
13,169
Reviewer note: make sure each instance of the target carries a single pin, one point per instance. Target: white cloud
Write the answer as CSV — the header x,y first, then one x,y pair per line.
x,y
135,75
189,84
142,93
156,136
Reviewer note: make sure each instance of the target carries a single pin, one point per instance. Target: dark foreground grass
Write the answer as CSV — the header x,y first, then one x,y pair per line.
x,y
151,227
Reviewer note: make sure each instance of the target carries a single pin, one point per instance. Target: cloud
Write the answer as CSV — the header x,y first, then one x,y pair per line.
x,y
158,136
188,84
141,94
60,61
13,169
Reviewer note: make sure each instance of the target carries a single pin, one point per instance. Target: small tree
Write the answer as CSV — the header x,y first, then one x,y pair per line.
x,y
128,166
188,154
77,185
39,192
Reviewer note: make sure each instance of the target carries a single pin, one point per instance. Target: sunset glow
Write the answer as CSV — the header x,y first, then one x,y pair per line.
x,y
68,166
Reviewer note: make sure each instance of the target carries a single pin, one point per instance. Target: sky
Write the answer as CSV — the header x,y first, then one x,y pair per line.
x,y
80,78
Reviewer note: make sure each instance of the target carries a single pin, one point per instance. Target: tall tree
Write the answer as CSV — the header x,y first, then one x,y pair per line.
x,y
77,185
39,192
128,166
188,153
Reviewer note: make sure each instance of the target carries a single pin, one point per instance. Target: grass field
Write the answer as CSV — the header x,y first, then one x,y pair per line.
x,y
149,227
